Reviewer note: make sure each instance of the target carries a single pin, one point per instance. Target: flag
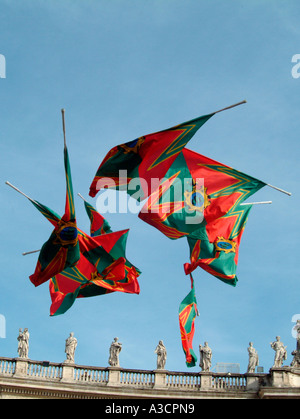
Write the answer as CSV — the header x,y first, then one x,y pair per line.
x,y
99,225
196,191
101,269
114,244
187,314
61,250
83,280
215,246
145,158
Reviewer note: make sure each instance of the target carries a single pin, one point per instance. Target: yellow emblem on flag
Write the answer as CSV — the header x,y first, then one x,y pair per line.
x,y
225,245
66,233
133,146
197,199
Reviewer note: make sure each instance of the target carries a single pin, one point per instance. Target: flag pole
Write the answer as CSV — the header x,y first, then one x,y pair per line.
x,y
64,127
79,194
231,106
32,251
279,189
256,203
30,199
18,190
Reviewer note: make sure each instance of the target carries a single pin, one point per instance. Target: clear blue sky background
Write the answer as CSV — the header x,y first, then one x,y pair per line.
x,y
122,69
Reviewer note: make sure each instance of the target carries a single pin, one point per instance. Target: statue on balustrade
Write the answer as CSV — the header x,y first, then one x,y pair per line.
x,y
71,344
23,343
205,357
297,328
296,360
280,352
161,352
253,358
114,351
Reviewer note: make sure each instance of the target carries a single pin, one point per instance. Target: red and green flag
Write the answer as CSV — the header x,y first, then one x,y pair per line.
x,y
96,273
102,269
187,314
148,157
200,199
99,225
215,246
61,250
196,191
82,280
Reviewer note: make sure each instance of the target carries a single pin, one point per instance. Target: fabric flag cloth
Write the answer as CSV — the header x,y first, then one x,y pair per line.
x,y
102,269
187,314
217,250
76,282
99,225
200,199
196,191
62,248
148,157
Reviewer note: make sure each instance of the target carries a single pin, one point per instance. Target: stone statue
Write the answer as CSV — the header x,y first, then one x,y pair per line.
x,y
280,352
297,328
20,343
253,358
161,352
114,350
205,357
23,343
296,360
71,344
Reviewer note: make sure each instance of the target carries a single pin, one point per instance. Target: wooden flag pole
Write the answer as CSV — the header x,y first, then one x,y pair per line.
x,y
256,203
64,127
232,106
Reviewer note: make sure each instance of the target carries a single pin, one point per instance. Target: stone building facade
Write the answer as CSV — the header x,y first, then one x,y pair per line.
x,y
22,377
25,378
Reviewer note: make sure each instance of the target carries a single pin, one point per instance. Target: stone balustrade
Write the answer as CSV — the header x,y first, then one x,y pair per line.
x,y
122,382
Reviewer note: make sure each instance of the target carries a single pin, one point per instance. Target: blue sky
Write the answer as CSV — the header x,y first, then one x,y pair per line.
x,y
123,69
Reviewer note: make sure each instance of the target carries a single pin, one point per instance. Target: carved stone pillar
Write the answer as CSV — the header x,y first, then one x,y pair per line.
x,y
159,378
252,382
67,372
206,381
21,367
285,377
113,376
